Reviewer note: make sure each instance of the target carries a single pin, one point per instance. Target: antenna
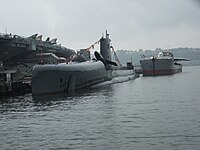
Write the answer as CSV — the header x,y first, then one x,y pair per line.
x,y
107,35
5,30
131,60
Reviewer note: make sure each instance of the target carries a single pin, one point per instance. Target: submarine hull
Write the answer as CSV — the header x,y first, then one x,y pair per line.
x,y
48,79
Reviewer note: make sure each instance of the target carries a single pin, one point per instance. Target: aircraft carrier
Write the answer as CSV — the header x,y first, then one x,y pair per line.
x,y
15,49
19,54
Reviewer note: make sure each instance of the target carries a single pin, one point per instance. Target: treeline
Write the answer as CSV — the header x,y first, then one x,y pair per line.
x,y
135,56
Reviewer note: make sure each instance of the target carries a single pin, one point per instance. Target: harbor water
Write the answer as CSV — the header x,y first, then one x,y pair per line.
x,y
153,113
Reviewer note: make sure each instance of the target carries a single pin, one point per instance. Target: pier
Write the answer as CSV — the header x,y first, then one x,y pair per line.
x,y
14,88
14,81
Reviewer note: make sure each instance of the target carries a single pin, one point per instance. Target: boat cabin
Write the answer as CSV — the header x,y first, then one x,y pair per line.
x,y
165,54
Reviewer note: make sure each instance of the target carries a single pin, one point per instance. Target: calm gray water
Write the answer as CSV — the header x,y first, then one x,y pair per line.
x,y
146,113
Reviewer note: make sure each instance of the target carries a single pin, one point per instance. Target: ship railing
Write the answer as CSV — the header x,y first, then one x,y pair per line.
x,y
7,36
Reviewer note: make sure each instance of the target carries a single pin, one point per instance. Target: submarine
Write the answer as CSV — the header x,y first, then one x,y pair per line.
x,y
58,78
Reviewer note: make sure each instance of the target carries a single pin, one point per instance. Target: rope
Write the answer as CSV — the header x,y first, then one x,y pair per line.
x,y
116,57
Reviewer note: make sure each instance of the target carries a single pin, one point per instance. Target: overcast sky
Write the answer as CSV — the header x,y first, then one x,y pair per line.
x,y
132,24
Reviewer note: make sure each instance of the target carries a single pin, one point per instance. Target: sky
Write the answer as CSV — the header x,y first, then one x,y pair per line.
x,y
132,24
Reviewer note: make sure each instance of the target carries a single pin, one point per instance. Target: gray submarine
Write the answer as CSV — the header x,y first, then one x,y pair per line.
x,y
57,78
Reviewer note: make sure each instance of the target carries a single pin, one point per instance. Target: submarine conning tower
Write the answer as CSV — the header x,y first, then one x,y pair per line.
x,y
105,47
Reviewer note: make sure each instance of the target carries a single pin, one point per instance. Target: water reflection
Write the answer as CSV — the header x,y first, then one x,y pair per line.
x,y
53,101
88,92
16,104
